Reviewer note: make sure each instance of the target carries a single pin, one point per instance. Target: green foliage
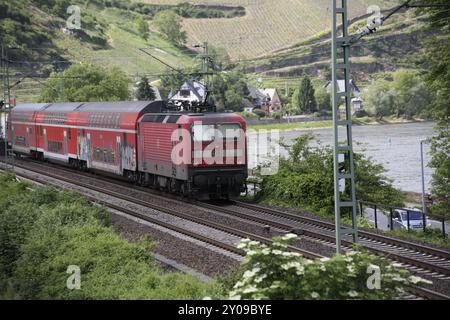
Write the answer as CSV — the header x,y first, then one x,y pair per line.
x,y
405,96
142,27
411,95
84,82
185,10
44,230
18,31
432,236
304,97
169,24
440,186
379,99
229,89
259,113
145,91
305,179
272,272
323,100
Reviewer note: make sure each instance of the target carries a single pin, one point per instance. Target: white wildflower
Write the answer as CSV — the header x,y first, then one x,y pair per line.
x,y
324,259
241,245
353,293
275,285
277,252
290,236
322,268
250,289
235,296
351,268
260,278
300,270
314,295
417,280
397,277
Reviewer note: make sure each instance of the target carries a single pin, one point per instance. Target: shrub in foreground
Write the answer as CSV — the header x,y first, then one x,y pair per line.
x,y
272,272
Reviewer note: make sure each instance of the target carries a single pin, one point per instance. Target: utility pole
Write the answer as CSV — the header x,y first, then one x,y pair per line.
x,y
343,153
205,61
344,198
424,207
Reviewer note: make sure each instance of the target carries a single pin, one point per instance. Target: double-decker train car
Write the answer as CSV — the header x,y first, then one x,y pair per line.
x,y
202,155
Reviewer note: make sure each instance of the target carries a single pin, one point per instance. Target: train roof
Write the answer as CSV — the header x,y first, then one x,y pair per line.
x,y
30,107
93,107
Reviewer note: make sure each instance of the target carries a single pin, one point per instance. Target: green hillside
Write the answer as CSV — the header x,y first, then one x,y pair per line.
x,y
268,25
398,44
40,43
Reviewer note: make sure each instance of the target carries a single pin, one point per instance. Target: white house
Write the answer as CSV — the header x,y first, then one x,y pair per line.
x,y
191,92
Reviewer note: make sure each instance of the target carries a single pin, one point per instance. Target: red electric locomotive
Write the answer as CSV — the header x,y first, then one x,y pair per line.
x,y
202,155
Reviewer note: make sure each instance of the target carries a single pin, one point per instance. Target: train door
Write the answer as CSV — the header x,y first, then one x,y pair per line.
x,y
119,153
29,137
65,142
88,149
45,140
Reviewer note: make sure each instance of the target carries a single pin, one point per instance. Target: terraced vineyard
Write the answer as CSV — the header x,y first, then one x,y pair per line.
x,y
268,26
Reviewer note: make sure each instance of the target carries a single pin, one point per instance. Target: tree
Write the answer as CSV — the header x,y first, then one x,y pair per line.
x,y
379,99
142,27
145,91
295,102
85,82
169,24
229,89
411,95
323,100
304,97
305,180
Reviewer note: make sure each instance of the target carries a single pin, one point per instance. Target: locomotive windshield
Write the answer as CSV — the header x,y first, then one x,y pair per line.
x,y
211,132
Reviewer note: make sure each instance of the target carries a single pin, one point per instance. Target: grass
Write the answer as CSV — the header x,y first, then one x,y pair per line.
x,y
292,126
326,124
430,236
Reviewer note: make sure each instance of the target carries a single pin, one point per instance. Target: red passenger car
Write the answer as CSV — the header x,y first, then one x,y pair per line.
x,y
201,155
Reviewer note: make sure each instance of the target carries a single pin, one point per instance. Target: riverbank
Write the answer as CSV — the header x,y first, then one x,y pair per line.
x,y
299,126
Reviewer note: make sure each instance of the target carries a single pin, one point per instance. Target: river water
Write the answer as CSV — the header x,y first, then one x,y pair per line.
x,y
395,146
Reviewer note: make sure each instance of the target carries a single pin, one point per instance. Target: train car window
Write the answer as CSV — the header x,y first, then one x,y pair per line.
x,y
203,132
70,134
173,119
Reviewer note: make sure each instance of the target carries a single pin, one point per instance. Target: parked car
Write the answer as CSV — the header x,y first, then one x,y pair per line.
x,y
400,219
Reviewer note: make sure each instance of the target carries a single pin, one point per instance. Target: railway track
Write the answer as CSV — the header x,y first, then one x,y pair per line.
x,y
416,257
305,226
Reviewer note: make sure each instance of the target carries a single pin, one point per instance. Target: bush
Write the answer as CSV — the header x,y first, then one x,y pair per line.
x,y
44,230
272,272
305,179
259,113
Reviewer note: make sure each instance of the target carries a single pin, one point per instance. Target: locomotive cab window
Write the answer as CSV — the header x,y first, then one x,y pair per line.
x,y
207,132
